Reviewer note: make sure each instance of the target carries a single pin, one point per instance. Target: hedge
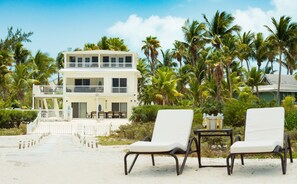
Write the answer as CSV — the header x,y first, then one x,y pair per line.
x,y
13,118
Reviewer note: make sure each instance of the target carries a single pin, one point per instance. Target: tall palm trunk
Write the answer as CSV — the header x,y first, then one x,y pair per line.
x,y
229,81
279,77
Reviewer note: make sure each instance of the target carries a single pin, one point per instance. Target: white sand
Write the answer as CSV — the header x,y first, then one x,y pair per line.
x,y
60,159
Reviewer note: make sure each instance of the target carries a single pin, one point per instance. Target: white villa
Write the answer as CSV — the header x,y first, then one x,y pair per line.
x,y
96,84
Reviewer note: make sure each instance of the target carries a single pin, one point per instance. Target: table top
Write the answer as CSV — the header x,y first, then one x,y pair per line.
x,y
215,131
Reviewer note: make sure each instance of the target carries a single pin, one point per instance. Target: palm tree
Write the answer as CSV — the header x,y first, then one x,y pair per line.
x,y
20,54
167,56
90,46
103,43
164,83
220,25
60,65
254,79
43,67
21,81
117,44
260,52
194,38
144,96
151,44
178,51
245,47
283,35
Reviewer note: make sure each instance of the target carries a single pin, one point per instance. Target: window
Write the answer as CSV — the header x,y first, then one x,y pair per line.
x,y
87,62
105,61
120,107
121,61
113,62
128,60
79,60
82,82
82,85
119,85
94,61
72,61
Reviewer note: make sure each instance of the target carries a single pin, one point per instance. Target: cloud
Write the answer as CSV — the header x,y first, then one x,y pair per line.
x,y
135,29
254,18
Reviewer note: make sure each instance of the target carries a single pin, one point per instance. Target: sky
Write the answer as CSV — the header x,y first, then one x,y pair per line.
x,y
59,25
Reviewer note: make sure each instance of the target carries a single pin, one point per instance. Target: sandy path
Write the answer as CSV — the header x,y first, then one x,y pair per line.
x,y
60,159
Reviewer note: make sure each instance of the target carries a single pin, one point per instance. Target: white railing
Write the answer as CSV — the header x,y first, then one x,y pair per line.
x,y
82,65
119,89
32,126
85,89
102,65
115,65
51,114
47,90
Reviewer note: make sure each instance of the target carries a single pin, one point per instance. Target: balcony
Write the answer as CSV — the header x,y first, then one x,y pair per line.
x,y
85,89
119,89
102,65
43,90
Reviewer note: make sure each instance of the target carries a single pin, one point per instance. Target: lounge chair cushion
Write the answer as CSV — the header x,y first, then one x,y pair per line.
x,y
254,146
144,146
172,130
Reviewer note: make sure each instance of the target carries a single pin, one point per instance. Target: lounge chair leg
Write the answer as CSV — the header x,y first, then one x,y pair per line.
x,y
136,156
125,162
290,149
177,164
241,158
153,160
282,161
232,163
228,164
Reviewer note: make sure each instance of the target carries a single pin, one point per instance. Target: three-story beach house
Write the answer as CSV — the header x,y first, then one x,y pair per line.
x,y
96,84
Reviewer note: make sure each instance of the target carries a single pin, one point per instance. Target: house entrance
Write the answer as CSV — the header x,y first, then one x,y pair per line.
x,y
79,109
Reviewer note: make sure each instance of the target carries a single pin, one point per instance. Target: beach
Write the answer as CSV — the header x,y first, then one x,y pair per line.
x,y
61,159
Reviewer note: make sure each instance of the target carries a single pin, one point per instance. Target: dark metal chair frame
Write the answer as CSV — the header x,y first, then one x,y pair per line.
x,y
171,153
278,150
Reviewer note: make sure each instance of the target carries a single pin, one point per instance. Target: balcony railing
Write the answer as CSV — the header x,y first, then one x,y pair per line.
x,y
85,89
83,65
102,65
47,90
119,89
116,65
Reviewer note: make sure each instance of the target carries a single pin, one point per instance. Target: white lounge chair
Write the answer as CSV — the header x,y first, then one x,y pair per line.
x,y
170,136
264,133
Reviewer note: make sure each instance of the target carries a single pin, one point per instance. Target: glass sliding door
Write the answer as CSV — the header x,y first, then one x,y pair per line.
x,y
79,109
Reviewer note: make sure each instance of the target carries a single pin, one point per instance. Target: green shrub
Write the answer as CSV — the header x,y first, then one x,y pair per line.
x,y
291,120
234,112
148,113
288,103
136,131
22,130
293,134
13,118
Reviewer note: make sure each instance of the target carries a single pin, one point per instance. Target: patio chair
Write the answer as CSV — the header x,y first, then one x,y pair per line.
x,y
170,137
264,133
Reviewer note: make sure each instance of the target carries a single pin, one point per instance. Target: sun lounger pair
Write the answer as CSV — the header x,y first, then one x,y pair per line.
x,y
264,132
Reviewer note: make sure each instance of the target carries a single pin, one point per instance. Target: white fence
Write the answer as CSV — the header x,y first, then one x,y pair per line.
x,y
51,115
32,126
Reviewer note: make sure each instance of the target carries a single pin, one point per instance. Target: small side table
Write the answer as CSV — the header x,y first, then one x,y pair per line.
x,y
210,133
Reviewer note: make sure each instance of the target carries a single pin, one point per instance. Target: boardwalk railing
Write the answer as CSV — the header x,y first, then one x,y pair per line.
x,y
51,115
32,126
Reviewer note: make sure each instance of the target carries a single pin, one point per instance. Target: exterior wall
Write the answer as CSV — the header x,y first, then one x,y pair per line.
x,y
107,97
105,102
